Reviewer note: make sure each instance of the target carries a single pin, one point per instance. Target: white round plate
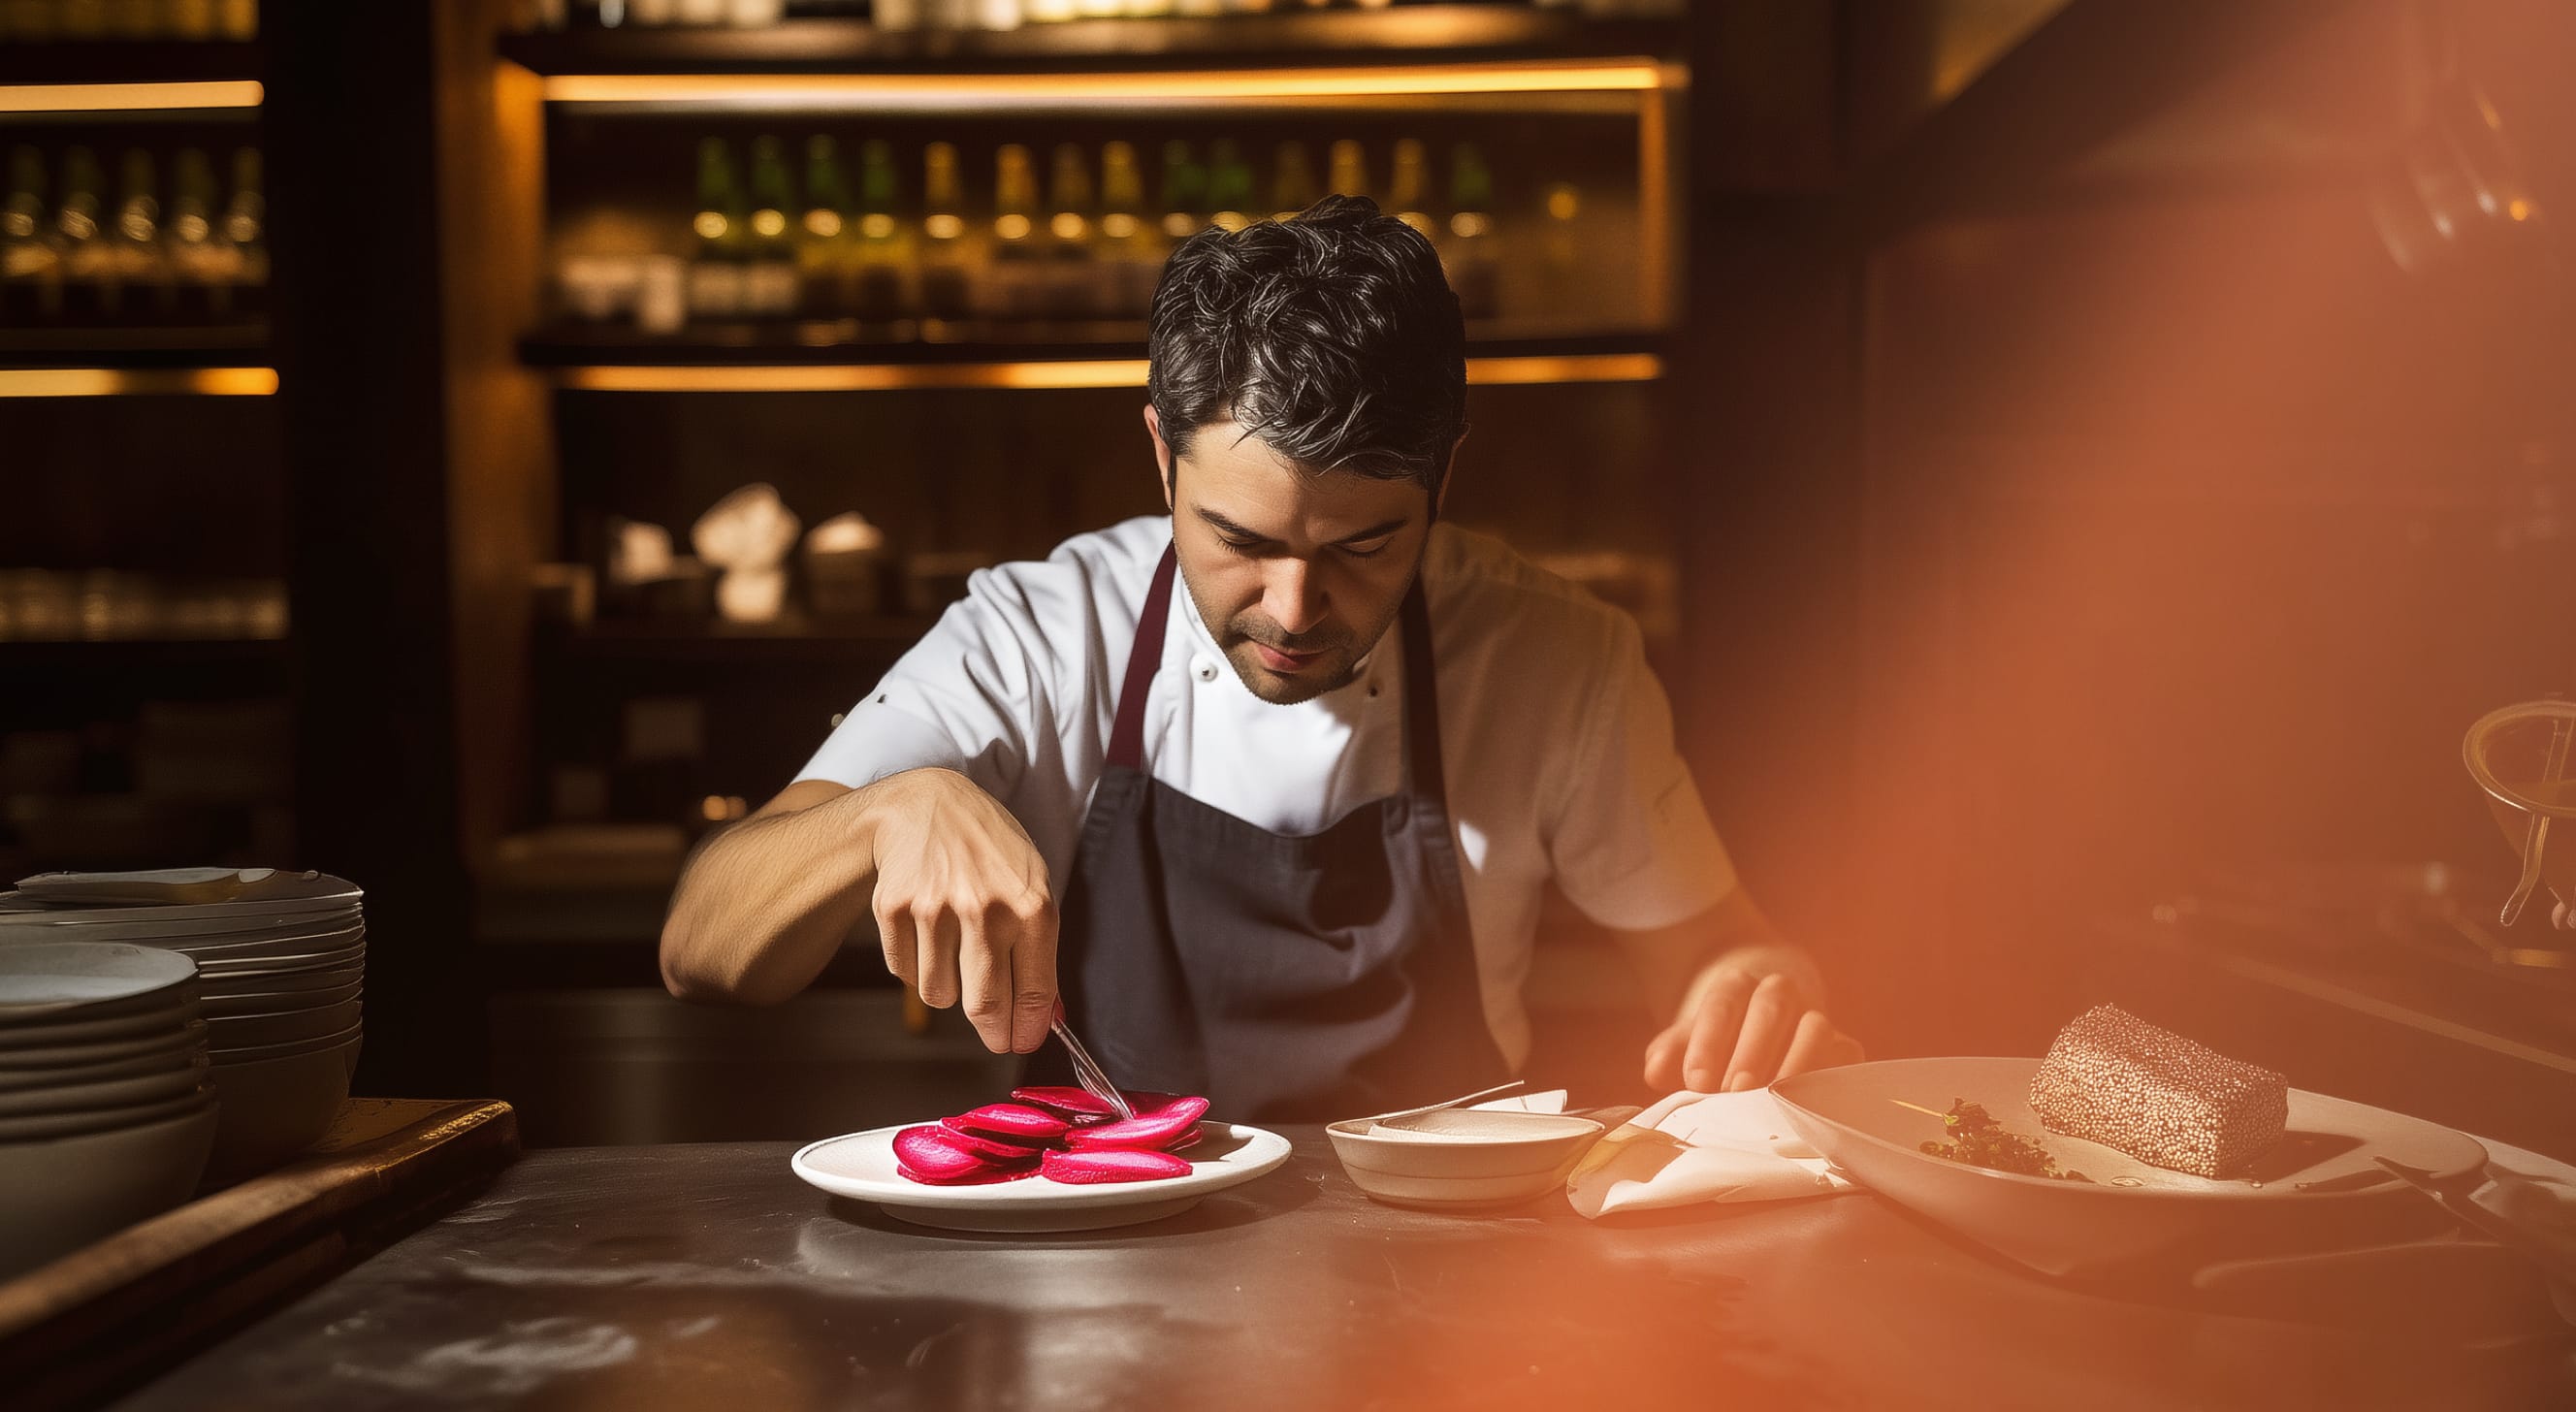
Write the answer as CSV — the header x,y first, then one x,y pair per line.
x,y
341,959
77,891
44,983
155,928
861,1166
226,951
2319,1188
167,887
103,1095
178,1038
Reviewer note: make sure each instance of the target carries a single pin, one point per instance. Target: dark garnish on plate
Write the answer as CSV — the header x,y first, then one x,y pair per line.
x,y
1977,1140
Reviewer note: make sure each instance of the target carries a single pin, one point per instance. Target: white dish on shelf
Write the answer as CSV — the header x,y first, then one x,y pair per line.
x,y
175,1052
109,1049
37,1127
94,893
50,983
231,1035
107,1095
269,966
62,1193
23,923
162,887
283,1002
2319,1189
293,942
114,1029
251,985
253,1054
861,1166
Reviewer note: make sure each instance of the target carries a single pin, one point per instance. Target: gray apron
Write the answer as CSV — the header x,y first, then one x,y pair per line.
x,y
1284,976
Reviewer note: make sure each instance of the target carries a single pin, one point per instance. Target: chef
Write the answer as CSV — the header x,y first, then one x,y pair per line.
x,y
1268,789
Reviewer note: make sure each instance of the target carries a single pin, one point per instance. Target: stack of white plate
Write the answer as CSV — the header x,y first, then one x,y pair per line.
x,y
106,1112
282,961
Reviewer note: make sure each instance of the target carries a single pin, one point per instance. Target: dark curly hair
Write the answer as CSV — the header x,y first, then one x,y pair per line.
x,y
1332,336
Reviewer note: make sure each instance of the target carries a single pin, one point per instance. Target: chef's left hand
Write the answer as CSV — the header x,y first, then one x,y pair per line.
x,y
1754,1015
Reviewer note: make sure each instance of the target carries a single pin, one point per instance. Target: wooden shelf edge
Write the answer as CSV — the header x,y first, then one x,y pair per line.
x,y
1413,34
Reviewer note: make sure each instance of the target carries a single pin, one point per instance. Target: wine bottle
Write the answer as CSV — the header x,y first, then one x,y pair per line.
x,y
1350,169
245,225
1292,182
1472,257
823,243
31,290
885,253
1184,197
90,294
203,259
716,267
142,265
1132,253
1071,285
769,287
947,287
1010,273
1229,186
1408,192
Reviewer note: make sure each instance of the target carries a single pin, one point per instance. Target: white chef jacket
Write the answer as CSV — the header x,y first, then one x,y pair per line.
x,y
1557,738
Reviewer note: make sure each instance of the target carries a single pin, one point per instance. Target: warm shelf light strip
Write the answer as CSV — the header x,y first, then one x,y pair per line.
x,y
127,97
1003,90
1125,372
136,382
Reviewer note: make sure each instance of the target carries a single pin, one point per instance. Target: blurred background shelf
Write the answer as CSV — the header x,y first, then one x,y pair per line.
x,y
241,347
29,62
825,640
264,657
1442,33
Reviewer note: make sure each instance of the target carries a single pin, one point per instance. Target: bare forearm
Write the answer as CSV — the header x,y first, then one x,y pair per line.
x,y
1677,964
763,907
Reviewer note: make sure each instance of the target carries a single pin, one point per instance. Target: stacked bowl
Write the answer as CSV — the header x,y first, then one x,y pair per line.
x,y
107,1114
281,960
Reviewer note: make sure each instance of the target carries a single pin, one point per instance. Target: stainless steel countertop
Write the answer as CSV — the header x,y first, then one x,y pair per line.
x,y
710,1277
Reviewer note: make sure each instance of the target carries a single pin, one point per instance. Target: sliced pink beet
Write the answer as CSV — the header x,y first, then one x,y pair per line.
x,y
1078,1105
987,1177
998,1149
1093,1168
1011,1122
935,1154
1153,1127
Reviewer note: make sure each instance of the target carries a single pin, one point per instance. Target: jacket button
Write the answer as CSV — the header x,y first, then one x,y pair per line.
x,y
1207,670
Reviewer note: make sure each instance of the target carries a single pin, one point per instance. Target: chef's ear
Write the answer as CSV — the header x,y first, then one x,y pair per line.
x,y
1162,453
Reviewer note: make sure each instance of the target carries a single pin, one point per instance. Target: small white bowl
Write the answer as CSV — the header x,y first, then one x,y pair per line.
x,y
61,1194
1462,1158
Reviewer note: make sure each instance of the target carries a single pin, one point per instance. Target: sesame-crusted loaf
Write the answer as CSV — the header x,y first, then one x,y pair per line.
x,y
2115,1079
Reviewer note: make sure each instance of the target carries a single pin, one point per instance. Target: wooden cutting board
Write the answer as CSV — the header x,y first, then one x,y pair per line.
x,y
105,1317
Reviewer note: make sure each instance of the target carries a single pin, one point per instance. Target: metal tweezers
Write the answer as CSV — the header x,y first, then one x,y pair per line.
x,y
1094,1078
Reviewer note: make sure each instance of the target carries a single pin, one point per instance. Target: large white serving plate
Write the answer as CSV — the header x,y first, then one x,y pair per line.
x,y
861,1166
2320,1189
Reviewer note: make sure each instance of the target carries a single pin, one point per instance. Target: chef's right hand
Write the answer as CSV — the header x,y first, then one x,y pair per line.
x,y
963,906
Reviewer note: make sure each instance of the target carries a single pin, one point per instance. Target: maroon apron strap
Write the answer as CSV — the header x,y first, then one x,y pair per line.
x,y
1144,657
